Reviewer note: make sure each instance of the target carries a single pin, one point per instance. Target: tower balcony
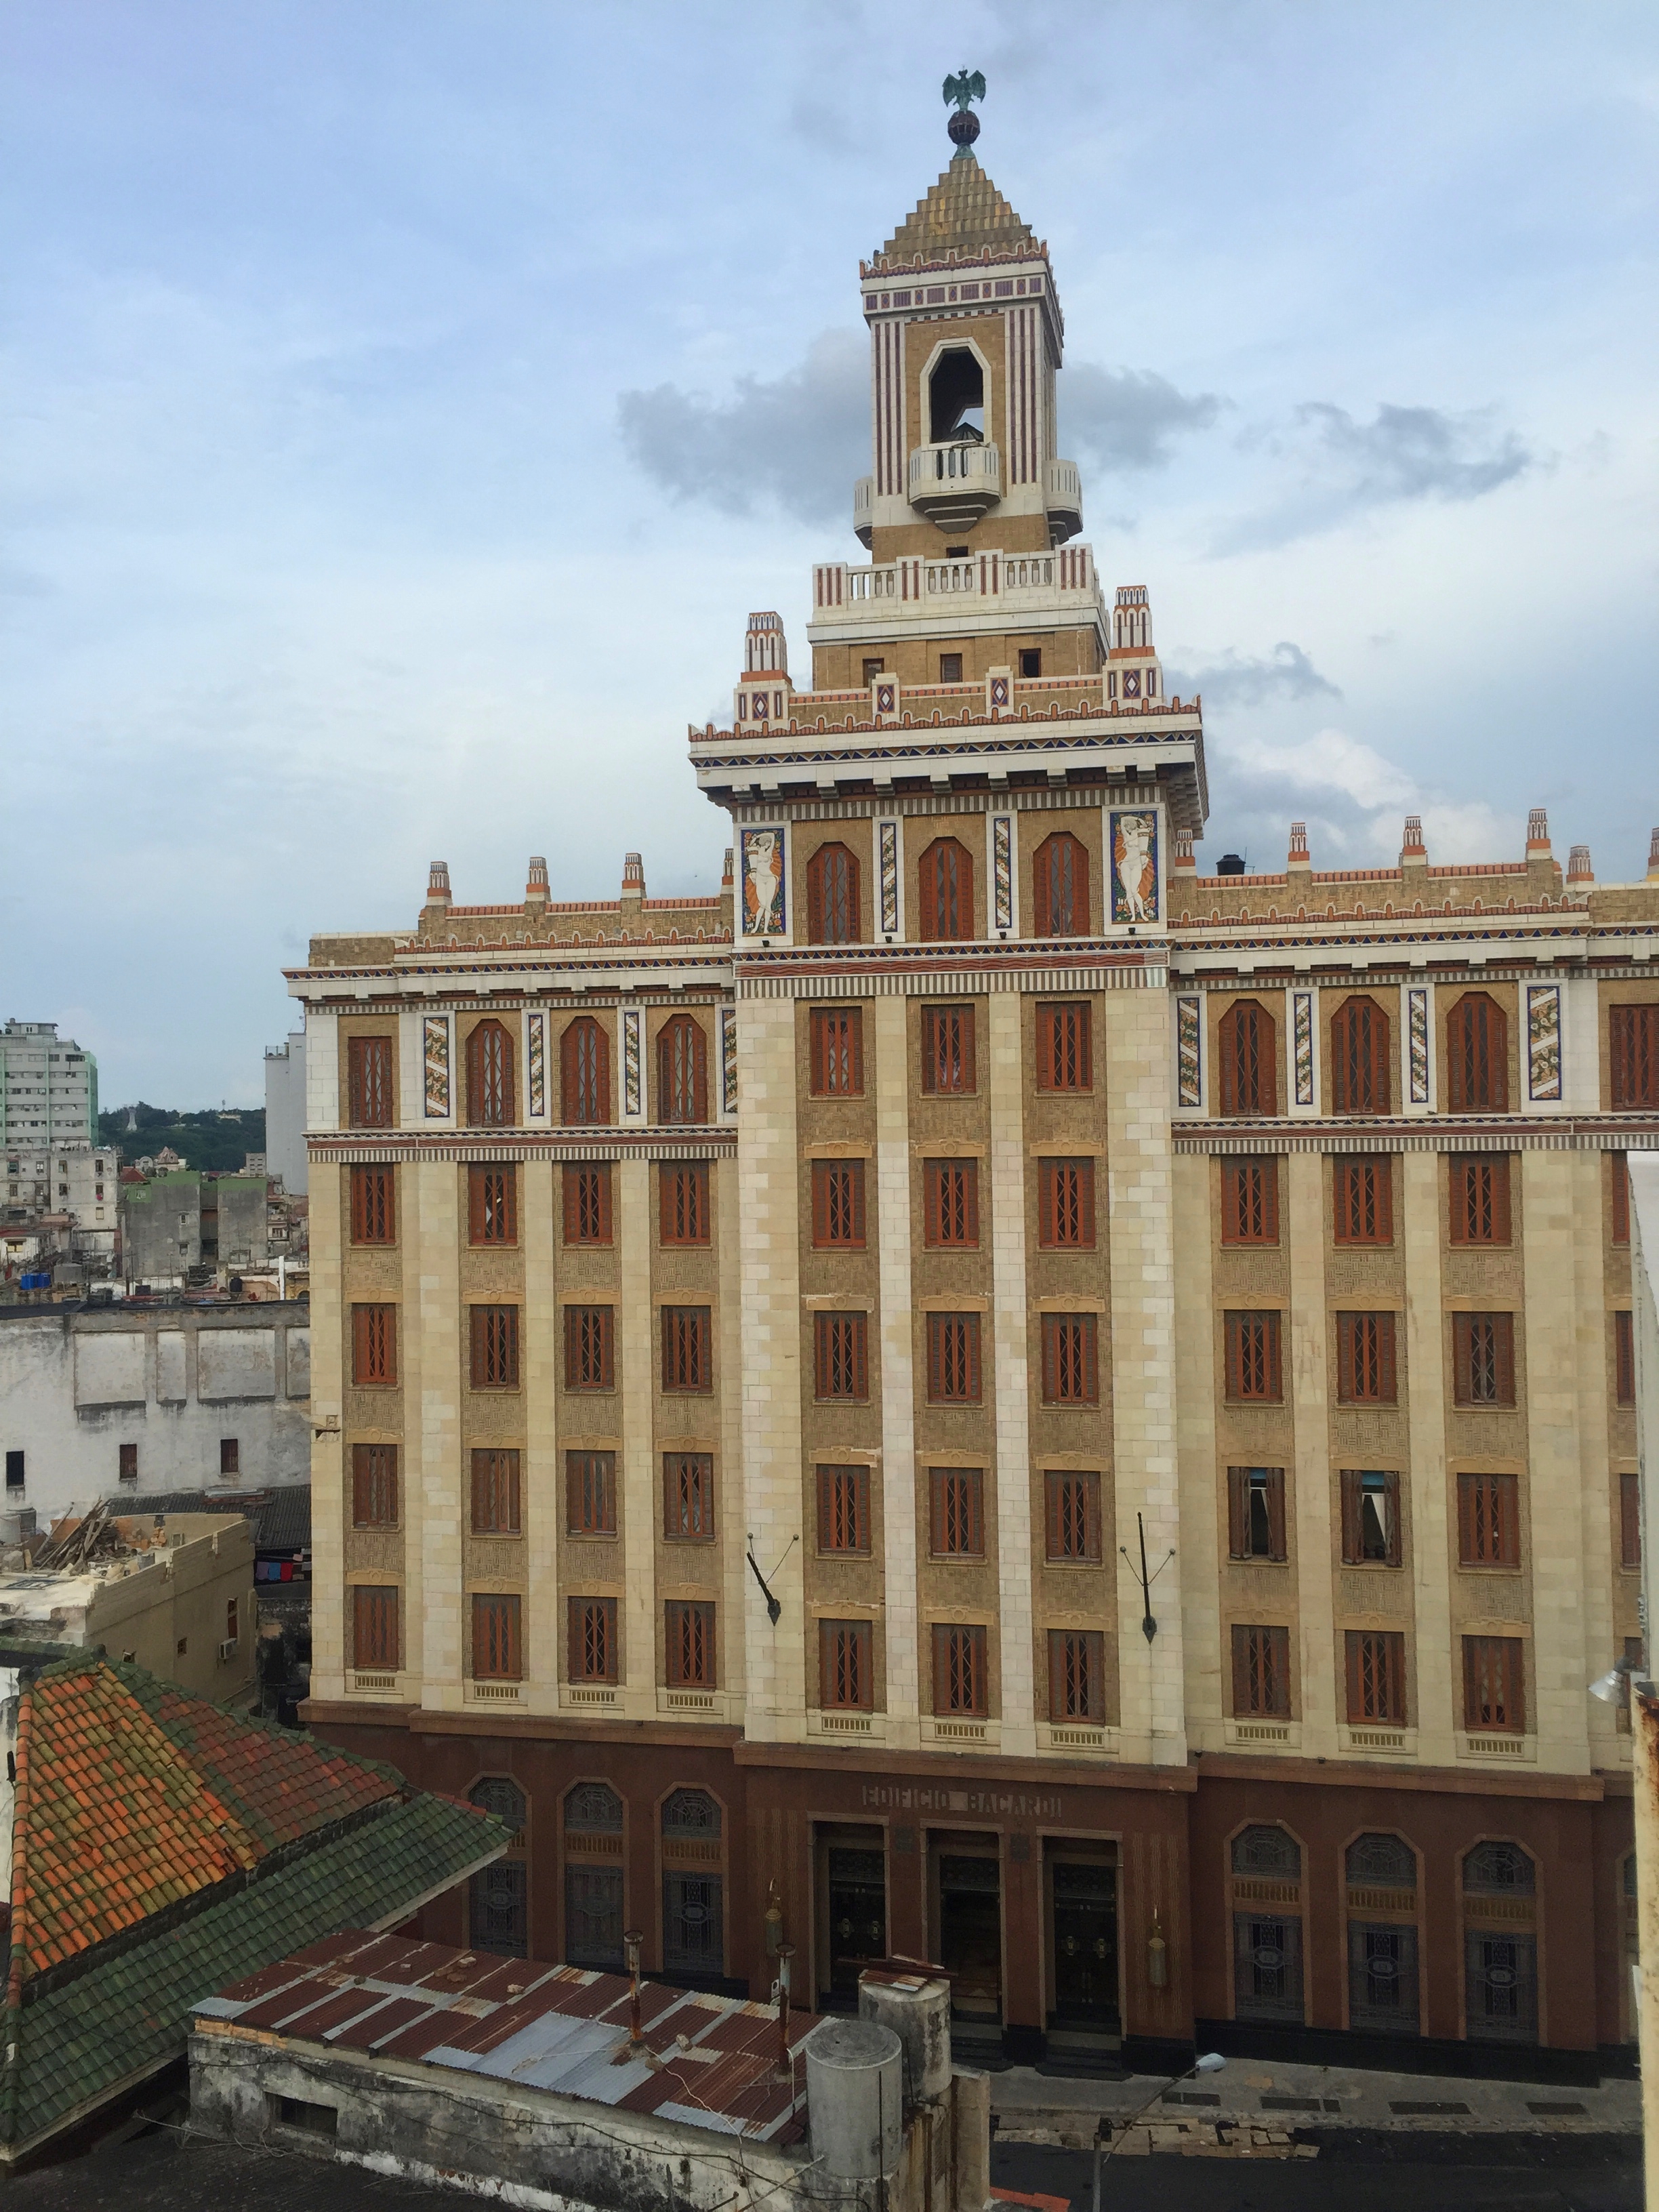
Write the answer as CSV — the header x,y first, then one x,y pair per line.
x,y
955,483
864,502
1062,491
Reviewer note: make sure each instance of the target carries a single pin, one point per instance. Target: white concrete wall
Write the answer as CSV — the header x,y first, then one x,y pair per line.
x,y
75,1387
285,1113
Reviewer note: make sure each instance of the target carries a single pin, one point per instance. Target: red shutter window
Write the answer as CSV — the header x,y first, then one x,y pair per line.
x,y
1362,1195
1624,1358
840,1355
1070,1368
953,1376
1247,1052
369,1089
847,1680
1477,1056
1479,1198
497,1651
1366,1373
584,1072
688,1348
491,1102
1064,1056
1483,1359
374,1626
1253,1357
837,1041
832,896
946,883
374,1206
589,1340
492,1204
689,1645
958,1514
947,1050
1494,1693
951,1202
1261,1672
496,1493
1249,1201
1370,1516
1630,1520
1077,1672
838,1204
683,1201
1377,1677
1066,1203
1619,1170
587,1204
494,1330
593,1655
1074,1515
688,1495
374,1344
844,1511
1633,1055
682,1071
1255,1512
1488,1521
375,1485
1359,1058
1060,884
590,1493
960,1686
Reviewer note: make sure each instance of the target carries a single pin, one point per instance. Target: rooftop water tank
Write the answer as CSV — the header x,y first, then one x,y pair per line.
x,y
855,2099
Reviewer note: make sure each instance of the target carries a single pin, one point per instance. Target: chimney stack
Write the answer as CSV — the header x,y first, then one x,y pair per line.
x,y
1538,835
1299,861
1653,857
1412,850
437,883
1183,863
1580,874
535,889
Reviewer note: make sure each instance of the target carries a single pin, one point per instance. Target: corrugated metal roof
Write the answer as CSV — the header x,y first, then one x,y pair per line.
x,y
710,2061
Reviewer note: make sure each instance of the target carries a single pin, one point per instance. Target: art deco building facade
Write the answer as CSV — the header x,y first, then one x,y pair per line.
x,y
1008,1401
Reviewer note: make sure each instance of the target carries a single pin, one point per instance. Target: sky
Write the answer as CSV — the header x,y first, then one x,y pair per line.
x,y
407,403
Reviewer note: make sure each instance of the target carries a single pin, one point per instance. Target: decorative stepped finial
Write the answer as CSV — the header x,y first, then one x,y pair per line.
x,y
1653,858
965,87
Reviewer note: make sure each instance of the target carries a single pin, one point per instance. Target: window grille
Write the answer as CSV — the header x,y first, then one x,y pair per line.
x,y
590,1491
844,1511
1262,1673
494,1344
689,1633
1366,1370
373,1485
1064,1058
587,1204
1370,1516
1488,1521
838,1204
953,1366
958,1519
959,1676
1477,1056
374,1344
1255,1512
492,1204
369,1091
836,1052
684,1202
374,1206
832,896
1483,1359
688,1496
947,1050
584,1073
1633,1055
1359,1058
589,1348
375,1627
840,1347
1066,1203
1362,1198
593,1656
1249,1201
490,1102
682,1071
1071,1367
1479,1202
1247,1055
1252,1341
1074,1514
497,1654
688,1348
845,1667
951,1202
945,881
1494,1695
1077,1675
1376,1676
1061,882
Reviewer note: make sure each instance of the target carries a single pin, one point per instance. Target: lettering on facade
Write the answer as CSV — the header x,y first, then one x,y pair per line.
x,y
910,1797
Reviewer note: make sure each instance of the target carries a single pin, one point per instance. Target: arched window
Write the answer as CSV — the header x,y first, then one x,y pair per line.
x,y
584,1071
1500,1944
1383,1999
682,1071
1060,886
1267,1899
1359,1058
490,1102
693,1890
947,890
594,1900
832,896
1247,1051
498,1899
1477,1056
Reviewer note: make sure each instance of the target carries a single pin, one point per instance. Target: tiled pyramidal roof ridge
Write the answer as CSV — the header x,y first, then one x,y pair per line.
x,y
964,209
132,1797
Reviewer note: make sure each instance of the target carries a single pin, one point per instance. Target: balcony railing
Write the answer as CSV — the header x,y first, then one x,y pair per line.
x,y
955,482
864,499
905,588
1063,500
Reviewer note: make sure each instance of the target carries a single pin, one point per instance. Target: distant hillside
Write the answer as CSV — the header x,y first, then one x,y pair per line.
x,y
217,1141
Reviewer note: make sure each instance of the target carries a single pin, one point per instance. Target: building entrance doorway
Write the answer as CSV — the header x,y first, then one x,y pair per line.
x,y
852,1912
967,1888
1083,1940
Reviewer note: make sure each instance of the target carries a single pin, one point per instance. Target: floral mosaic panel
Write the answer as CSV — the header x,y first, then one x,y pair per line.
x,y
1302,1023
435,1042
1002,868
729,1060
631,1057
537,1057
1417,1025
890,879
1543,1041
1189,1089
762,889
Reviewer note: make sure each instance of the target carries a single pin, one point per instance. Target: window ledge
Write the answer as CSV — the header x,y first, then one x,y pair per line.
x,y
1495,1747
949,1728
586,1696
838,1724
1268,1733
1077,1739
372,1683
1377,1739
495,1693
692,1704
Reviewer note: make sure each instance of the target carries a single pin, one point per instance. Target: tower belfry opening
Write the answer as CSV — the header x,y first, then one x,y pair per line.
x,y
956,398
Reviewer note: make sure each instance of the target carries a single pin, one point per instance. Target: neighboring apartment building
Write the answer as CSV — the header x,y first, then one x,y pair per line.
x,y
182,1220
72,1184
1072,1415
48,1089
136,1400
285,1113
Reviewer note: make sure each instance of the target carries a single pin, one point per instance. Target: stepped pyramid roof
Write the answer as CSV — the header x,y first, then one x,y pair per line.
x,y
965,211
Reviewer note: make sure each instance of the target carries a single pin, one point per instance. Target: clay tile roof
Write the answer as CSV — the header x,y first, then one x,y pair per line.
x,y
964,209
